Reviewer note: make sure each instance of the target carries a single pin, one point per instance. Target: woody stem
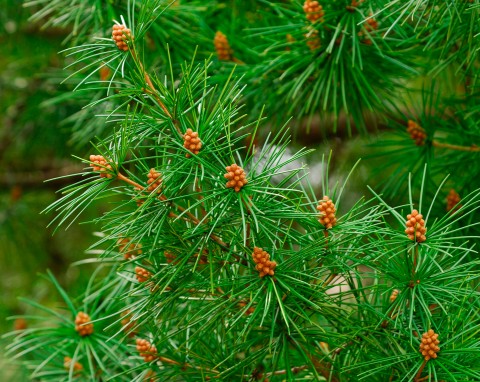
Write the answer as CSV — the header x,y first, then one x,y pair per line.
x,y
330,279
294,370
472,148
417,377
415,259
129,181
152,90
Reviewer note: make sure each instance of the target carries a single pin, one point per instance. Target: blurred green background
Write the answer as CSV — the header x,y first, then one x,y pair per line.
x,y
34,147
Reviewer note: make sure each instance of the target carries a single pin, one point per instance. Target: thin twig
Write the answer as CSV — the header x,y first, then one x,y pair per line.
x,y
415,259
472,148
129,181
153,91
237,61
417,377
330,279
294,370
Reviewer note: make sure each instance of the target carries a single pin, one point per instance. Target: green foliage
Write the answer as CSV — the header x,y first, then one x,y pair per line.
x,y
338,64
174,251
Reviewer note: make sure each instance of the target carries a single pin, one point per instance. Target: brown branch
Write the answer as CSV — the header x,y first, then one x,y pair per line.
x,y
417,377
342,347
415,259
472,148
294,370
249,212
153,91
237,61
125,179
330,279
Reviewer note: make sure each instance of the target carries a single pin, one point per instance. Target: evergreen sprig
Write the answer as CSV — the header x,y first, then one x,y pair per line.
x,y
341,290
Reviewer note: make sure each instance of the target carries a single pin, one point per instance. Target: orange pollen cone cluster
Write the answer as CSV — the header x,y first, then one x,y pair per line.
x,y
154,181
121,34
142,274
100,164
313,10
128,325
327,212
224,52
354,5
130,250
370,26
429,345
416,227
452,200
236,177
170,257
20,324
146,350
249,311
313,41
394,295
67,362
81,325
191,142
417,133
264,265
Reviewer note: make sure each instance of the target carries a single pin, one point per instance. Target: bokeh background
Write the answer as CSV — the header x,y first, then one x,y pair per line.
x,y
34,147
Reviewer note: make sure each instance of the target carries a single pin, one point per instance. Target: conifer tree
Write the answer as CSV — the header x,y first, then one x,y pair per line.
x,y
218,258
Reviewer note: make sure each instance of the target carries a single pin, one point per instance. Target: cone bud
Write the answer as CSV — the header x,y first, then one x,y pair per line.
x,y
417,133
100,164
82,325
67,363
142,274
128,249
263,264
394,295
146,350
429,345
355,4
243,304
191,142
313,40
236,177
20,324
416,229
327,212
222,46
154,181
369,26
313,10
120,35
128,325
452,201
